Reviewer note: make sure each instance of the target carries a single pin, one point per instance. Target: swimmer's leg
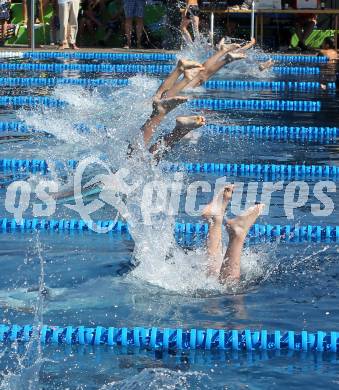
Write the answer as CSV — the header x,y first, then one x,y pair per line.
x,y
182,66
237,229
215,66
214,213
225,55
266,65
160,109
184,124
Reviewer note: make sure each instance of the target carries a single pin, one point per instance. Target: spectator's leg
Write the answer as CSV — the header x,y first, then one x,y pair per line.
x,y
27,14
63,16
308,28
185,22
139,14
73,23
139,30
24,11
2,35
128,32
299,33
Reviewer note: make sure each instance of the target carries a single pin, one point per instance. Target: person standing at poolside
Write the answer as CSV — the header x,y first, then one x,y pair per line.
x,y
134,9
68,15
190,16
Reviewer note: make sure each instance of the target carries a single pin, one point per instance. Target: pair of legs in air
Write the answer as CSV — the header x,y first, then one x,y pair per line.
x,y
226,266
166,99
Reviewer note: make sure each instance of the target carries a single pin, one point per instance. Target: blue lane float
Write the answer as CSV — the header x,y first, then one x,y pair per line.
x,y
303,86
241,169
293,58
175,339
277,132
105,68
296,70
260,105
263,132
39,55
50,82
213,84
129,68
209,104
31,101
293,233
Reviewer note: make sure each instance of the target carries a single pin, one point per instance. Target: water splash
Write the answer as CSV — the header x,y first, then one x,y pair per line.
x,y
25,374
162,378
120,112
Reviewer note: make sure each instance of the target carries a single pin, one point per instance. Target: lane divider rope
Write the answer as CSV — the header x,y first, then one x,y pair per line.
x,y
262,132
283,170
213,84
243,169
40,81
274,85
148,56
277,132
210,104
294,233
176,339
256,104
293,58
130,68
38,55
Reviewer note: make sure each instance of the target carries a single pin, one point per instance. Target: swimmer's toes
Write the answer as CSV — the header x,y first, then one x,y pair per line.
x,y
240,225
184,64
190,122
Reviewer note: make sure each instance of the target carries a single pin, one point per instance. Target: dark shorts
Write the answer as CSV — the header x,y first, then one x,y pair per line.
x,y
193,10
5,11
134,8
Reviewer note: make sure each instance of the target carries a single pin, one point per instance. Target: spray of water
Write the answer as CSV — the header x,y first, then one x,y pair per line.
x,y
25,374
121,111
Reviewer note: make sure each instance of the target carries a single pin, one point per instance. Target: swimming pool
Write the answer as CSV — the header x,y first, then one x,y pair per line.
x,y
286,285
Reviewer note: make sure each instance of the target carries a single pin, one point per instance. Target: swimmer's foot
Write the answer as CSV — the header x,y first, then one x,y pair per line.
x,y
164,106
215,210
235,56
190,122
190,74
239,226
266,65
220,44
188,64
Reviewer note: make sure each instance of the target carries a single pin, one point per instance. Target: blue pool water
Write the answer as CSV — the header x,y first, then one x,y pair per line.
x,y
87,278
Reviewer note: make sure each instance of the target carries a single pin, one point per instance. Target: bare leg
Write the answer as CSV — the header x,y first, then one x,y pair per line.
x,y
183,27
182,66
139,30
128,31
160,109
214,213
189,75
213,68
184,124
237,229
266,65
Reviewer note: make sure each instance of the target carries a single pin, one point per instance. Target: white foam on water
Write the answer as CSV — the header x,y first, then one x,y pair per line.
x,y
162,378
